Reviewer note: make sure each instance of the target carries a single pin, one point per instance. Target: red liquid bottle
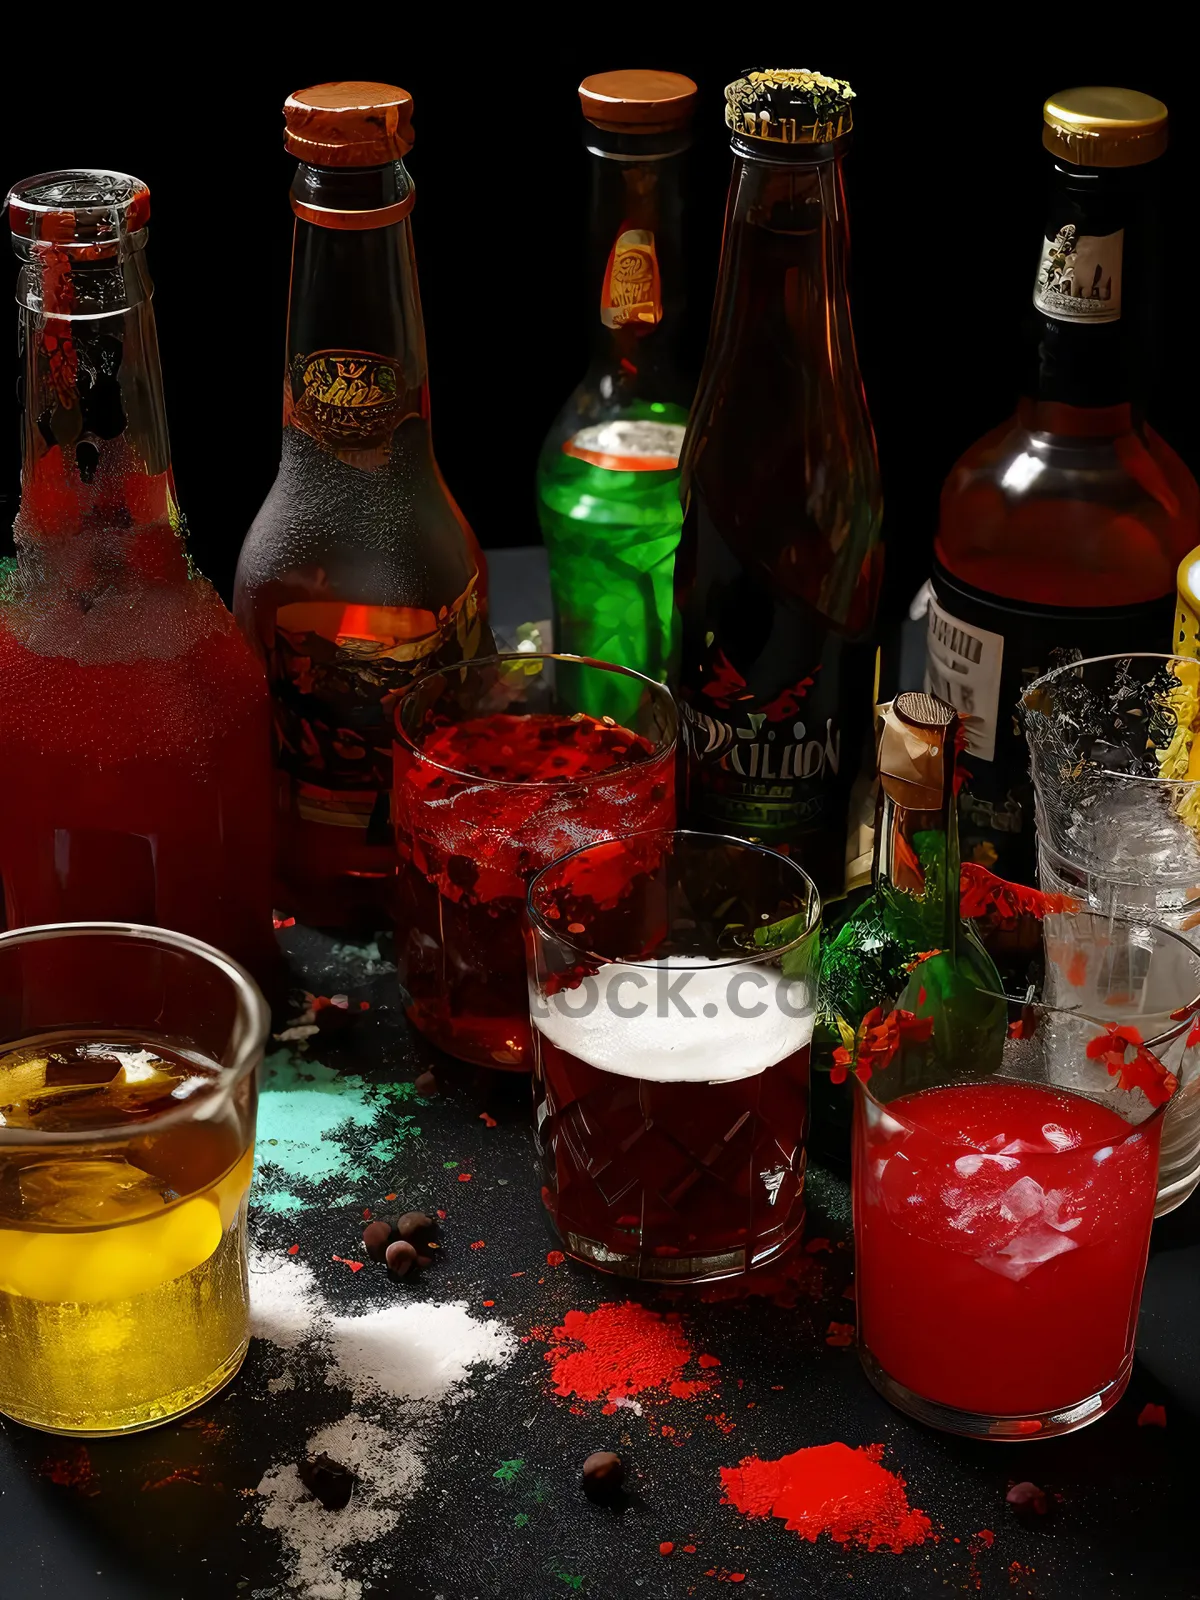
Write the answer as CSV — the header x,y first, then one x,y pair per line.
x,y
1061,530
134,719
359,571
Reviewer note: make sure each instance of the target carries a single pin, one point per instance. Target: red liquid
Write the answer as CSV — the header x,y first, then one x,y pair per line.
x,y
138,789
470,840
1007,1285
664,1180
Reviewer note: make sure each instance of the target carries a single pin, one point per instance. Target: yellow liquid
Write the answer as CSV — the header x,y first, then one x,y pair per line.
x,y
123,1302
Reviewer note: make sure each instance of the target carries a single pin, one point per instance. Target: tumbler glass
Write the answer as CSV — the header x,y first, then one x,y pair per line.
x,y
1002,1219
499,769
672,985
1116,786
127,1101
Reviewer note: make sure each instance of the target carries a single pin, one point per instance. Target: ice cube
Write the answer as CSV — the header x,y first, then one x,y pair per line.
x,y
1025,1199
1020,1256
87,1192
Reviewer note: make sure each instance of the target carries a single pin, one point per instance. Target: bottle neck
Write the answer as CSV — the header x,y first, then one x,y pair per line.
x,y
1092,300
917,866
635,265
96,457
356,366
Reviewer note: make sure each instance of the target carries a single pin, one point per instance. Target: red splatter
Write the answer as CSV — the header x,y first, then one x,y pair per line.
x,y
283,922
392,1197
832,1489
555,1258
355,1266
684,1389
366,1211
441,1214
988,1537
689,1549
983,894
292,1249
840,1333
516,1274
618,1350
737,1577
480,1244
74,1471
193,1475
488,1122
489,1302
1152,1416
463,1177
708,1361
665,1547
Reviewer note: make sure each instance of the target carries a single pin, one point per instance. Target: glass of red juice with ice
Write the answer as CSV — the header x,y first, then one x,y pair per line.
x,y
499,770
672,986
1002,1214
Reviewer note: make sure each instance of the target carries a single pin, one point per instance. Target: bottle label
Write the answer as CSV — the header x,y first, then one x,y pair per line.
x,y
962,667
629,446
632,289
1079,276
996,798
346,398
777,765
337,673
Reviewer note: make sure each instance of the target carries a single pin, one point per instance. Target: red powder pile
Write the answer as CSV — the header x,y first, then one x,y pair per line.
x,y
619,1350
829,1489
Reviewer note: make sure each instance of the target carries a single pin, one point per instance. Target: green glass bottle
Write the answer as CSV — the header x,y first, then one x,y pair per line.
x,y
906,945
608,477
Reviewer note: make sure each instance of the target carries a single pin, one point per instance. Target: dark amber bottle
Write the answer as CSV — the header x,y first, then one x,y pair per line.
x,y
780,560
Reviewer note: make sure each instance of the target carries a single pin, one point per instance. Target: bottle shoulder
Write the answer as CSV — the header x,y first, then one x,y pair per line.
x,y
1072,519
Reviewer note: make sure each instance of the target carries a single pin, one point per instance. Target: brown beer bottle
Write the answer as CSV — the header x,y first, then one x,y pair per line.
x,y
360,570
779,565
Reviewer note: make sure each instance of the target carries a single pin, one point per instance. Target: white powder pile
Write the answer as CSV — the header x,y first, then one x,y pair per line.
x,y
413,1351
410,1351
317,1541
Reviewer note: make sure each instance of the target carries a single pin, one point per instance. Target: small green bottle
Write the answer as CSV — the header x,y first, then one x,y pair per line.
x,y
608,476
906,944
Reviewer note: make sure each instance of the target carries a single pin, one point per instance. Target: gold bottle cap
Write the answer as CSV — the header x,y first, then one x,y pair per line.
x,y
916,748
789,105
1105,127
638,101
348,124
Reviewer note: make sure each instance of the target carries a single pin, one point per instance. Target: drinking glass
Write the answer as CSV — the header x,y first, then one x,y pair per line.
x,y
499,769
672,983
1117,813
1002,1214
127,1102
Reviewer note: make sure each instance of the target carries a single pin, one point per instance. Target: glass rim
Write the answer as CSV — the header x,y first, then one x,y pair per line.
x,y
609,774
252,1021
1090,661
544,927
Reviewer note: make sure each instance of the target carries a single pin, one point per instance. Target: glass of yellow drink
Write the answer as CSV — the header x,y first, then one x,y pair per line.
x,y
128,1060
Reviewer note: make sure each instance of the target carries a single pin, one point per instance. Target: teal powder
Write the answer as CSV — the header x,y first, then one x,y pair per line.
x,y
316,1124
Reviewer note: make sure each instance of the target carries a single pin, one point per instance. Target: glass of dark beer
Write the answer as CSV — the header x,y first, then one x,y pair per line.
x,y
672,986
501,766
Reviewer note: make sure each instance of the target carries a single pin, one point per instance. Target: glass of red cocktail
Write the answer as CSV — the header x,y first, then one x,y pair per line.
x,y
1002,1213
499,771
672,986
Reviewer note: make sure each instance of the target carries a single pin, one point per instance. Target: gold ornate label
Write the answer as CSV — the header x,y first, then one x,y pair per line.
x,y
632,291
337,673
346,397
1079,276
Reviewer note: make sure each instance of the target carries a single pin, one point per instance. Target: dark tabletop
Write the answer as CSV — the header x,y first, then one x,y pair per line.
x,y
174,1512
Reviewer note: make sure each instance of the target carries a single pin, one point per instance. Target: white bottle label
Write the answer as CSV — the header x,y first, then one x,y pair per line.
x,y
1079,276
962,667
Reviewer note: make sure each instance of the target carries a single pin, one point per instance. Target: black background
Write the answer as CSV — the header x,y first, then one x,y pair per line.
x,y
946,183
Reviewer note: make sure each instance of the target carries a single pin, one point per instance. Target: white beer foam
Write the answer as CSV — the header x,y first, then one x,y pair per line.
x,y
664,1044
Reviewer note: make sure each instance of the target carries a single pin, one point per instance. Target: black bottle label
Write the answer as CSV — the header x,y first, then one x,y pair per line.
x,y
981,653
773,742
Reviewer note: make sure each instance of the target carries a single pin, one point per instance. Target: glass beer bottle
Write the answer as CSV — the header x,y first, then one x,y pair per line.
x,y
359,571
779,567
1061,530
134,718
608,477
